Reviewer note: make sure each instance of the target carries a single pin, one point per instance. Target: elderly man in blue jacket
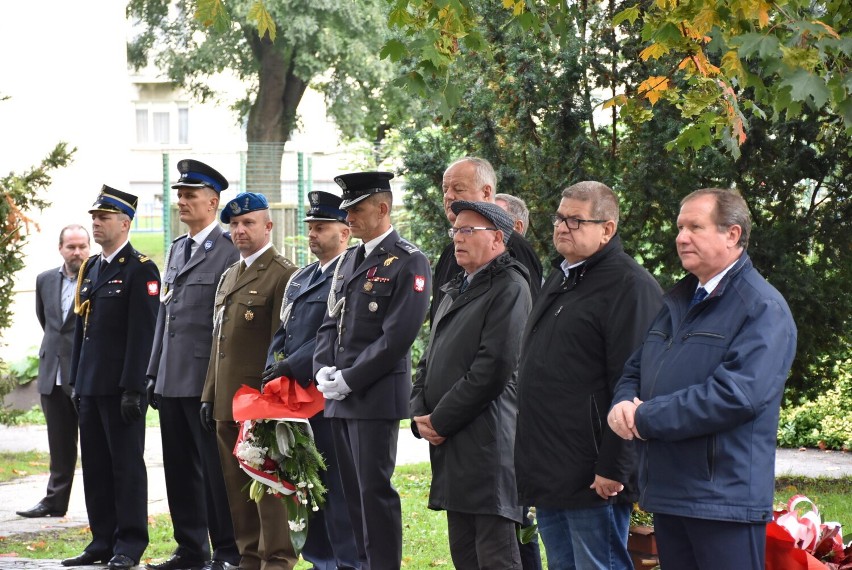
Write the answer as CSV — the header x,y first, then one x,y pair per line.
x,y
703,395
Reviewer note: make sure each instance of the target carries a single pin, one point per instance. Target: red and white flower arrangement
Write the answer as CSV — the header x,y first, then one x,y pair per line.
x,y
797,539
276,448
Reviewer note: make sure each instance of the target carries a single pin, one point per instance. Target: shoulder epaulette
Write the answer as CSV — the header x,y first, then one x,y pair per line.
x,y
141,257
407,246
283,261
227,236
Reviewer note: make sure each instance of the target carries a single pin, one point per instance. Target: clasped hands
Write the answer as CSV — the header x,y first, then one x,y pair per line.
x,y
331,383
427,431
622,419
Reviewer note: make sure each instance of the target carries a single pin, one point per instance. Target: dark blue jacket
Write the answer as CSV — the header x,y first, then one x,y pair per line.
x,y
297,337
711,379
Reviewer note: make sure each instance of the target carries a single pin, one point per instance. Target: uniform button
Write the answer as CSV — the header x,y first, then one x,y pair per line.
x,y
171,334
340,349
221,355
342,329
222,337
228,302
289,336
87,338
172,317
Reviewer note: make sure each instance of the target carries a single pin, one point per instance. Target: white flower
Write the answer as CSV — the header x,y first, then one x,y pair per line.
x,y
310,485
251,454
315,509
302,485
297,526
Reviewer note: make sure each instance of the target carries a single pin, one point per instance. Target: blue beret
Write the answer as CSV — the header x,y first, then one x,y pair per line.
x,y
196,174
244,203
357,186
491,212
112,200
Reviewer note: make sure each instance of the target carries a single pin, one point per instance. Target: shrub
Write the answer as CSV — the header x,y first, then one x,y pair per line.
x,y
826,421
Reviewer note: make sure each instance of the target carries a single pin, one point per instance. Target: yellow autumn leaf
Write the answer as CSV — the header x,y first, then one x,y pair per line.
x,y
698,63
704,22
831,31
653,87
732,65
653,51
615,101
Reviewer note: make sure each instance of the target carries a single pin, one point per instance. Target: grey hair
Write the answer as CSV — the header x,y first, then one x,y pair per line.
x,y
603,199
484,172
516,208
731,210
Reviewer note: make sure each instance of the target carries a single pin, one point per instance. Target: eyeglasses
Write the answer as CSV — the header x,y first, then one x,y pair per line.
x,y
467,231
572,223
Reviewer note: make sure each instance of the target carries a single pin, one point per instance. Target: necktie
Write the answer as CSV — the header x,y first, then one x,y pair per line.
x,y
187,250
700,295
241,269
463,285
315,276
359,255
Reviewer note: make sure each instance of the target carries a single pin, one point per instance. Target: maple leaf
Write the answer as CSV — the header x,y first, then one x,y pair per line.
x,y
260,15
212,13
805,85
653,87
653,51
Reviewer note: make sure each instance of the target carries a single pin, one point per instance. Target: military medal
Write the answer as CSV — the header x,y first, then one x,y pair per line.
x,y
368,286
372,271
249,316
373,306
391,258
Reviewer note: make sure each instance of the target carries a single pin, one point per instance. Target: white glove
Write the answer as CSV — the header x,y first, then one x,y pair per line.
x,y
325,373
335,388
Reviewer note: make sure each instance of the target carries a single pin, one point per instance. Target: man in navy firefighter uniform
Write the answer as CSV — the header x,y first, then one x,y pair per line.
x,y
118,292
331,543
377,305
198,501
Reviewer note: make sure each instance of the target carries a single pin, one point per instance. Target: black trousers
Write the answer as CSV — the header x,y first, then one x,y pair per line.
x,y
483,542
198,501
114,478
62,430
366,454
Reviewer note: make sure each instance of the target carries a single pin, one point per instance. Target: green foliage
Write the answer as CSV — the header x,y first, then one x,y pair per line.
x,y
25,370
530,109
824,422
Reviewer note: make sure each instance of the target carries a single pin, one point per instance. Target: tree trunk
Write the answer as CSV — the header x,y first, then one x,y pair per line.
x,y
272,115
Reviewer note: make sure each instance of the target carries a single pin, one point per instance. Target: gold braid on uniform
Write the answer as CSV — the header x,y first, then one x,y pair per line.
x,y
82,309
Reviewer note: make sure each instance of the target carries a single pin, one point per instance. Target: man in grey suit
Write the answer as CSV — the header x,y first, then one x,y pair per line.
x,y
195,487
54,309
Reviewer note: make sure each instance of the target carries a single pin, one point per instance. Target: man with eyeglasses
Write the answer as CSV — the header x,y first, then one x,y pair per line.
x,y
464,400
592,313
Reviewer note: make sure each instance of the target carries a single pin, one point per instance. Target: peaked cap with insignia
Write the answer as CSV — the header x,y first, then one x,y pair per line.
x,y
112,200
196,174
325,207
359,185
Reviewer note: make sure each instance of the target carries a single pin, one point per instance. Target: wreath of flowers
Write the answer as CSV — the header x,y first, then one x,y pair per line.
x,y
797,539
276,448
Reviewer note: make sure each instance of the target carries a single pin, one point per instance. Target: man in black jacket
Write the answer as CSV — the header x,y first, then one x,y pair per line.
x,y
473,179
592,313
464,400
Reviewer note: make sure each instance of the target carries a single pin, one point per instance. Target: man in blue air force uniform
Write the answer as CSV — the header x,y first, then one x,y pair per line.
x,y
198,502
331,543
118,292
377,304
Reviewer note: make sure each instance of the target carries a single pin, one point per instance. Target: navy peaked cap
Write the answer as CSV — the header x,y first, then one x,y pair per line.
x,y
357,186
196,174
112,200
325,206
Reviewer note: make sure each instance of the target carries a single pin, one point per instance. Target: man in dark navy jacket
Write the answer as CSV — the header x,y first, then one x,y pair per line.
x,y
377,303
703,394
118,292
331,542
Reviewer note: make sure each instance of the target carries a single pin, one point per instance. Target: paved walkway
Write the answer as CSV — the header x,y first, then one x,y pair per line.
x,y
25,492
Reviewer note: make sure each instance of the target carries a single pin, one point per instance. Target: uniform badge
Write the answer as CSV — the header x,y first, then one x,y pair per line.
x,y
419,283
249,316
391,258
368,286
208,245
153,288
121,260
373,306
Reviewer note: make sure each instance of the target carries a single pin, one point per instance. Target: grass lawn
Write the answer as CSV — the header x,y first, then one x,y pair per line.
x,y
150,244
21,464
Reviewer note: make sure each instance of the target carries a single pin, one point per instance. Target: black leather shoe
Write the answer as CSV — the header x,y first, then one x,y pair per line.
x,y
86,559
121,562
40,510
177,562
219,565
